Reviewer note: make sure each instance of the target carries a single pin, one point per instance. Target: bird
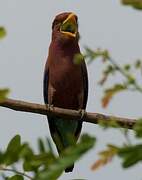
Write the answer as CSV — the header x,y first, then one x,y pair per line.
x,y
65,83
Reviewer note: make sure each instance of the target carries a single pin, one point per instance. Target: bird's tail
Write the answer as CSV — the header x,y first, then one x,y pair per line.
x,y
62,133
69,169
63,145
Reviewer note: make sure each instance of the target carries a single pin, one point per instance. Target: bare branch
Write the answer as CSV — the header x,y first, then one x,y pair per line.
x,y
94,118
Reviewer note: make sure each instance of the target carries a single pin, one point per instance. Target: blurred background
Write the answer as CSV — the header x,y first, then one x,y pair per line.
x,y
23,53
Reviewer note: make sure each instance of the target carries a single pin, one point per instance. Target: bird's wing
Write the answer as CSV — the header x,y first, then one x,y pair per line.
x,y
45,93
45,85
85,94
51,120
85,83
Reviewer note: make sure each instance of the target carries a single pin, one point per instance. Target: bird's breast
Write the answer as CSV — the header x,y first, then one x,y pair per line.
x,y
65,84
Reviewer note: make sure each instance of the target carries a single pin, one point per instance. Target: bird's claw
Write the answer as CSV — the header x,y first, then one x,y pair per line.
x,y
82,112
49,107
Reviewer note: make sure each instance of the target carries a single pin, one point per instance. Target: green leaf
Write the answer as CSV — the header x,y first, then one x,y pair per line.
x,y
28,167
13,150
68,157
131,155
49,145
131,79
41,146
2,157
26,152
14,144
138,128
138,64
137,4
33,161
44,159
3,94
16,177
2,32
78,58
127,67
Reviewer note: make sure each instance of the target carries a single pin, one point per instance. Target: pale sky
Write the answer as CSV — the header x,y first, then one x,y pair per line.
x,y
105,24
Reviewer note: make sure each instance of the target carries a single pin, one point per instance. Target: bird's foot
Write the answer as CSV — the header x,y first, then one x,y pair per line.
x,y
82,113
49,107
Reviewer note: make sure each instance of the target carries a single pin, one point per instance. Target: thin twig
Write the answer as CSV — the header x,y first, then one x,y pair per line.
x,y
16,172
126,75
94,118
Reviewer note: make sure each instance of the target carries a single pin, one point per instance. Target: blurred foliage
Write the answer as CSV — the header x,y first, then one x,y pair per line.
x,y
2,32
3,94
137,4
78,58
110,92
112,69
131,154
105,157
43,165
138,128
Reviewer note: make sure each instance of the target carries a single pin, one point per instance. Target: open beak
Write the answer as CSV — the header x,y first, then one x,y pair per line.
x,y
69,26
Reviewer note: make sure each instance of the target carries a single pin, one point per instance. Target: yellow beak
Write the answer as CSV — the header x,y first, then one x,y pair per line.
x,y
69,26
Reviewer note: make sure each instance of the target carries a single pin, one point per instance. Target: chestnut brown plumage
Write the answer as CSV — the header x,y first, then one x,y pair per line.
x,y
65,83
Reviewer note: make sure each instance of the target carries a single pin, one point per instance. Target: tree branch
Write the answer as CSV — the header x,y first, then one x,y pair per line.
x,y
94,118
16,172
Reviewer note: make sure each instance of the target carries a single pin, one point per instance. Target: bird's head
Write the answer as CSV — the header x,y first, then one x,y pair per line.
x,y
65,27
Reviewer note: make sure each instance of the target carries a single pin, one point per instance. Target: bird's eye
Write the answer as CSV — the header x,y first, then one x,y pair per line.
x,y
55,23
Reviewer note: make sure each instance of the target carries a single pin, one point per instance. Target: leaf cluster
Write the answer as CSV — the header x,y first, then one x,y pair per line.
x,y
43,165
112,69
130,154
